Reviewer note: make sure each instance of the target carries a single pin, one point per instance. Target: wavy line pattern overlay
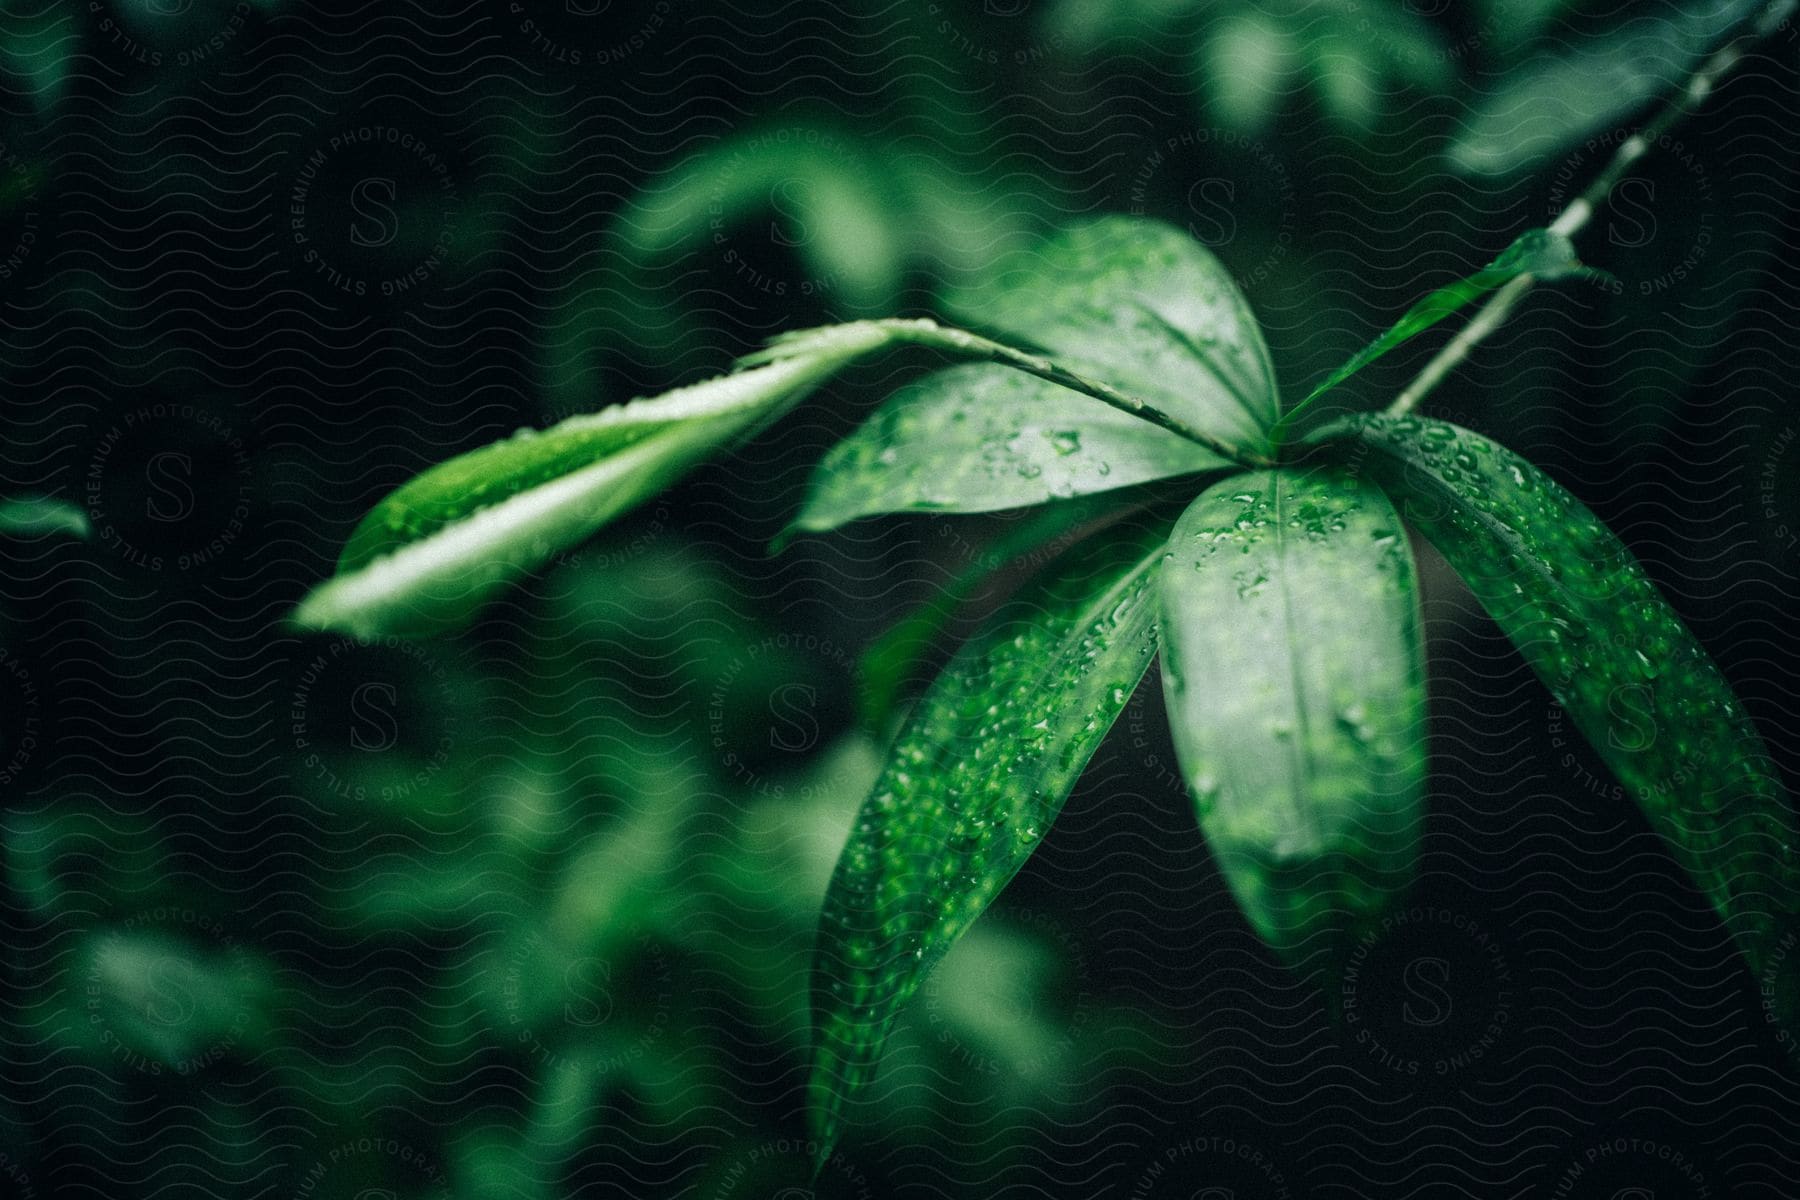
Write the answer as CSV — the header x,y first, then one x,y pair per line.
x,y
526,912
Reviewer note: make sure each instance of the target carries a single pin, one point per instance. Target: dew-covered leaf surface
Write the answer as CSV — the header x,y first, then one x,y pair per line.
x,y
1294,672
1649,699
984,437
1144,307
971,785
434,550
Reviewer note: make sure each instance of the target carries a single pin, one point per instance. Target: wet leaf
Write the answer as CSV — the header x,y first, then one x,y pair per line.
x,y
427,556
1144,307
1294,670
980,438
971,786
1636,683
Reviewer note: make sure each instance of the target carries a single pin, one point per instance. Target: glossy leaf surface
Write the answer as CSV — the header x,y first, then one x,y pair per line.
x,y
1294,672
980,438
1636,683
1144,307
427,556
971,785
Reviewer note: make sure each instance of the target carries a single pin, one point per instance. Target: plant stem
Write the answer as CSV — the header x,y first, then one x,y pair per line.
x,y
1581,210
976,348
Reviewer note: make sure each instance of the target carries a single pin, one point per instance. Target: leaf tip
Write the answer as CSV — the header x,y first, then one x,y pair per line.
x,y
788,535
320,612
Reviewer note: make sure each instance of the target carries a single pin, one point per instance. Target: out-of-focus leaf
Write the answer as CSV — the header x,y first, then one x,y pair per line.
x,y
178,1003
427,556
1246,62
893,659
1551,104
35,516
971,785
1294,669
1088,24
1536,252
1144,307
1636,683
980,438
826,195
40,43
1347,77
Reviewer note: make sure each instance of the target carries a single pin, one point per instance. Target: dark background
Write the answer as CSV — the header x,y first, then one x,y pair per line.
x,y
525,913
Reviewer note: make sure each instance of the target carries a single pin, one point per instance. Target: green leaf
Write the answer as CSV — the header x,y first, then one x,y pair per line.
x,y
1294,670
828,196
892,661
1247,62
1632,678
427,556
34,516
1553,103
973,782
1144,307
981,438
1536,252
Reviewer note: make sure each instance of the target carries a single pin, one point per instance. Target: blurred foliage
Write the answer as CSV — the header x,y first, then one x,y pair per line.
x,y
620,896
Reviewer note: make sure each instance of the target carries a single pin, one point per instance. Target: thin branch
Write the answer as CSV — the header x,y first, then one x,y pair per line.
x,y
1581,210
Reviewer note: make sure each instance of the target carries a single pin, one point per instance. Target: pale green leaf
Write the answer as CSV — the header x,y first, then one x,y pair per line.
x,y
980,438
1634,681
970,788
1294,670
427,556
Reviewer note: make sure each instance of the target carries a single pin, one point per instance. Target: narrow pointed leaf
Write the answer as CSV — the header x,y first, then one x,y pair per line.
x,y
1632,678
1145,307
976,777
427,556
1294,671
980,438
1536,252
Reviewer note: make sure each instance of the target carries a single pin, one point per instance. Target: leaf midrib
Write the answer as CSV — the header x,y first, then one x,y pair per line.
x,y
1302,736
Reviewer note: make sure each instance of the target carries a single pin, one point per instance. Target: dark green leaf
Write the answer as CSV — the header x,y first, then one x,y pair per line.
x,y
427,556
976,777
1146,308
1294,670
980,438
1536,252
1613,653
